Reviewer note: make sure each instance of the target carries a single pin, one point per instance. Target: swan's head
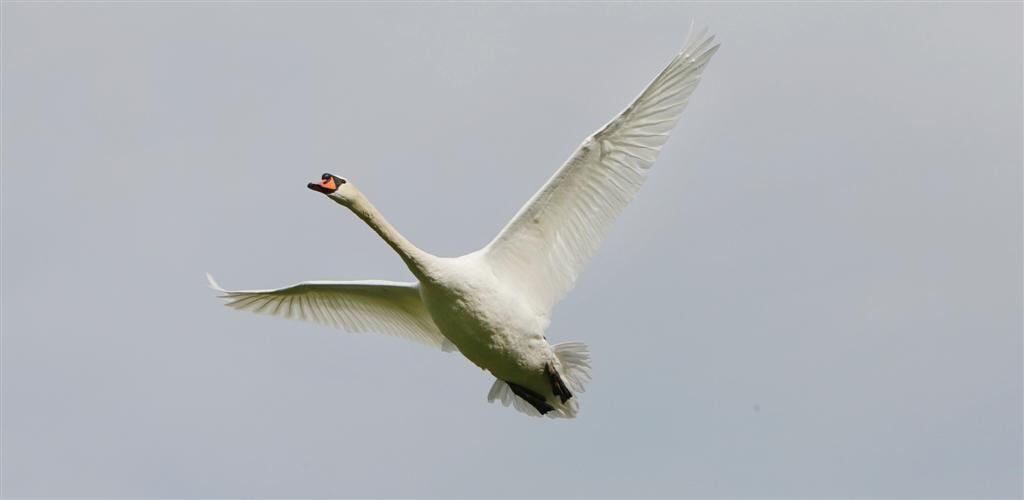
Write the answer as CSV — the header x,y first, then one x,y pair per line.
x,y
336,188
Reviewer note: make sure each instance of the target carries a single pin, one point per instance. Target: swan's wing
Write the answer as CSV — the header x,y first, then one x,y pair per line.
x,y
545,246
355,306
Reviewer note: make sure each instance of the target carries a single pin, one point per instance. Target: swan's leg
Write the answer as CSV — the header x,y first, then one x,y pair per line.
x,y
535,400
557,384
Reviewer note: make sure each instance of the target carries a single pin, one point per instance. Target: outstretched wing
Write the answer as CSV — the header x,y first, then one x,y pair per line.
x,y
355,306
545,246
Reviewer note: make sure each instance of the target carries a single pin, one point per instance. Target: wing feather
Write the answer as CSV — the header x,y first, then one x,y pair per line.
x,y
356,306
545,246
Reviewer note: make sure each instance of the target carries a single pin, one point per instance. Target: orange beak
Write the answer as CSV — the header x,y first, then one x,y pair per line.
x,y
328,184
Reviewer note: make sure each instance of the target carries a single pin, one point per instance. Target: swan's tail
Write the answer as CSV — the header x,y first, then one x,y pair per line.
x,y
567,382
575,360
571,379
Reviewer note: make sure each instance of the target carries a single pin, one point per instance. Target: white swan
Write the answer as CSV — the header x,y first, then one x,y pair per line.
x,y
494,305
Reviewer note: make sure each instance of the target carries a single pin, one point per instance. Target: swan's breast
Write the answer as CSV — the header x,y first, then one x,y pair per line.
x,y
493,327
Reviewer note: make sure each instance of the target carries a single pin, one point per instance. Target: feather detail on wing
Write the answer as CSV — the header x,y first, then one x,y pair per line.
x,y
545,246
356,306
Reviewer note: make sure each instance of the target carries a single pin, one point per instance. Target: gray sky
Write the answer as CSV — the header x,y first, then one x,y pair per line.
x,y
818,292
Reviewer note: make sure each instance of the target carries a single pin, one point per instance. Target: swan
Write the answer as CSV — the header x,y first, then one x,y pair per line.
x,y
494,305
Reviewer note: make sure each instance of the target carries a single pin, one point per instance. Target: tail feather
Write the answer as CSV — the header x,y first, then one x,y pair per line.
x,y
575,360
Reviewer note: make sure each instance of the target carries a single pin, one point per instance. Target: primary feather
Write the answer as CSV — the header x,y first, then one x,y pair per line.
x,y
546,245
356,306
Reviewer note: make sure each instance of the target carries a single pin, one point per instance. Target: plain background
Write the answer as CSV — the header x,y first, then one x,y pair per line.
x,y
818,292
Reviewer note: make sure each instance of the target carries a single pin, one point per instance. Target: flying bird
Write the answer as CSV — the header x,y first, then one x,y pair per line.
x,y
494,305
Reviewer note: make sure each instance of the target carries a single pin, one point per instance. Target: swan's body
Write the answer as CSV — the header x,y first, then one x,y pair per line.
x,y
494,305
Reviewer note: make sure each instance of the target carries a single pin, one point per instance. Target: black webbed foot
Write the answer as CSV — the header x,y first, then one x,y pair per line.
x,y
536,400
557,384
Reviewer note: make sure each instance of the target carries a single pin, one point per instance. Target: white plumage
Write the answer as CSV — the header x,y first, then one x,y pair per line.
x,y
494,305
357,306
545,246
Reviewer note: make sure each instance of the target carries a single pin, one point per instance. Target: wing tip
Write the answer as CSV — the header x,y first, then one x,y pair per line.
x,y
212,283
698,41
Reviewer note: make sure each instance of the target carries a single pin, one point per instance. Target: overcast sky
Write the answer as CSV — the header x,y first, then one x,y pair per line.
x,y
817,293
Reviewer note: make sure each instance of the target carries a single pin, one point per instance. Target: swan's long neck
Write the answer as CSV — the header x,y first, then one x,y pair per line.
x,y
414,258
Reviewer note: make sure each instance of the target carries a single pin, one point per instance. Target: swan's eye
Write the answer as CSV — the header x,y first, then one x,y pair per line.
x,y
341,181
